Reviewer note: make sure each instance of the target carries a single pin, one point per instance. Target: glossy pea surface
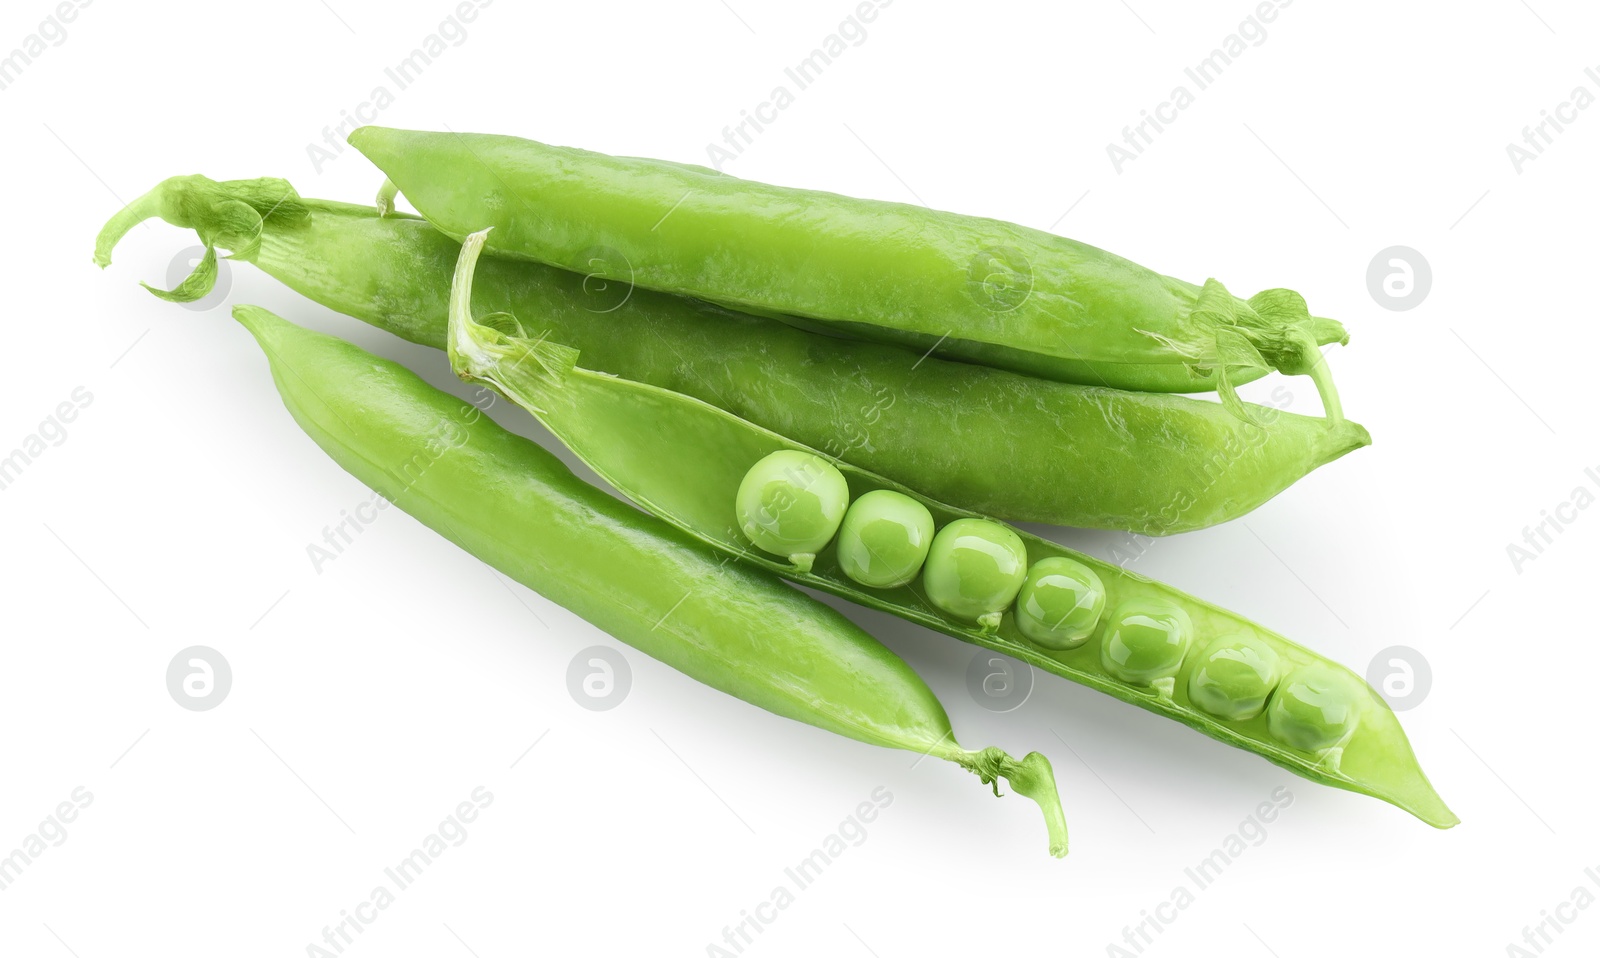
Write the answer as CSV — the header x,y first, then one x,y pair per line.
x,y
884,539
1233,677
1060,603
1146,641
975,568
1314,708
791,502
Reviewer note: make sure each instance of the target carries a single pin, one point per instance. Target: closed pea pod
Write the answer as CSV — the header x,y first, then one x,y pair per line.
x,y
515,506
1031,449
970,287
698,454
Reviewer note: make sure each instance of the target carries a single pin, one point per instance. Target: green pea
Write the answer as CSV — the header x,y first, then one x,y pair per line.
x,y
884,539
1314,708
790,504
1146,641
1060,603
974,570
1233,677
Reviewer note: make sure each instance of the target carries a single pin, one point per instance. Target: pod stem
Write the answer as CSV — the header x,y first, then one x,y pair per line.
x,y
231,215
496,349
386,197
1032,777
1322,376
145,207
1270,330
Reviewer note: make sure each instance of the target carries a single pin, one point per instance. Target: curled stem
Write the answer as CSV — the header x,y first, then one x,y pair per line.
x,y
1271,330
386,197
1032,777
231,215
1323,378
145,207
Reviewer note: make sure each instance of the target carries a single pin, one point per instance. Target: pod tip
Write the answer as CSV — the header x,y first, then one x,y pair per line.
x,y
256,319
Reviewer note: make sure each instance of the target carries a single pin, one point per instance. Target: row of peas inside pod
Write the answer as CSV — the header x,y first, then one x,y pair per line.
x,y
794,504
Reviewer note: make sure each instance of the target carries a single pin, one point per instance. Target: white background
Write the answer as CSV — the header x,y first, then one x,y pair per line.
x,y
369,700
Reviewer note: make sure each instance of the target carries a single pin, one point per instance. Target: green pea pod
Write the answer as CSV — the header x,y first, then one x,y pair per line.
x,y
1022,448
518,508
971,288
684,460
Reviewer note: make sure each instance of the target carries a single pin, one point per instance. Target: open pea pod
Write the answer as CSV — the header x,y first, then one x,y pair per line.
x,y
684,460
